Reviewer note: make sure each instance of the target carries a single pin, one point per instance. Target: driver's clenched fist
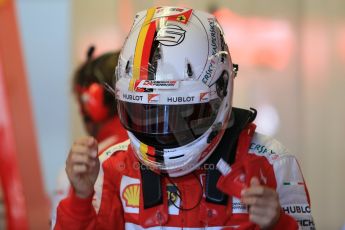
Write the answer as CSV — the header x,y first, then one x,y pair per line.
x,y
82,166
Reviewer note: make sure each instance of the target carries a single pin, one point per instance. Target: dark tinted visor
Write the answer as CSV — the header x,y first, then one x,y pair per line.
x,y
167,126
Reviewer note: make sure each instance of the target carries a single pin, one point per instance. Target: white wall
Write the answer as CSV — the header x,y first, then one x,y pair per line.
x,y
45,31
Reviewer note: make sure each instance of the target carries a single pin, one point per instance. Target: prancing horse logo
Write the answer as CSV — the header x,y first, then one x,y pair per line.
x,y
170,35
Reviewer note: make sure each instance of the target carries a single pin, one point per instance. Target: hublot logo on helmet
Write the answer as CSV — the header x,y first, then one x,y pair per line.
x,y
132,97
180,99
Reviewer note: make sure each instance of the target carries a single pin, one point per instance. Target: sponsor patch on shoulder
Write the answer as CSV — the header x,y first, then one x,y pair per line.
x,y
122,146
262,150
293,209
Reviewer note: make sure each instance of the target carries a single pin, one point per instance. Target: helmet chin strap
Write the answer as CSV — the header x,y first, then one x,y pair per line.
x,y
226,150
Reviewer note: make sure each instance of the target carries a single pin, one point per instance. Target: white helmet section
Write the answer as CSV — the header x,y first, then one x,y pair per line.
x,y
176,56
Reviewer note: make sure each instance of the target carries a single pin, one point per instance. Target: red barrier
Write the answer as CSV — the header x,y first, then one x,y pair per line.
x,y
21,179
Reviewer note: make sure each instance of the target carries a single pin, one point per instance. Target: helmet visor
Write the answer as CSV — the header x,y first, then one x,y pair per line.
x,y
167,126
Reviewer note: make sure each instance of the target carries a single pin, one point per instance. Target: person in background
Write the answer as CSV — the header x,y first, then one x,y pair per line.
x,y
96,101
97,106
194,160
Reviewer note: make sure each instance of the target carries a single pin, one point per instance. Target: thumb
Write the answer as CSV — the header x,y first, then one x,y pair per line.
x,y
254,181
93,144
91,141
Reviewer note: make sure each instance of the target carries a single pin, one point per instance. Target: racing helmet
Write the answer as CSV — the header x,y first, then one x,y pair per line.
x,y
174,88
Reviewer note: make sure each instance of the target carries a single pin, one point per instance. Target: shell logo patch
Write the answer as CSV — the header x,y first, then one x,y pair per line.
x,y
131,195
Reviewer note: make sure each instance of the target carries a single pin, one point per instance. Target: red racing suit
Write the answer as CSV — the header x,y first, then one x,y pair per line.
x,y
121,204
